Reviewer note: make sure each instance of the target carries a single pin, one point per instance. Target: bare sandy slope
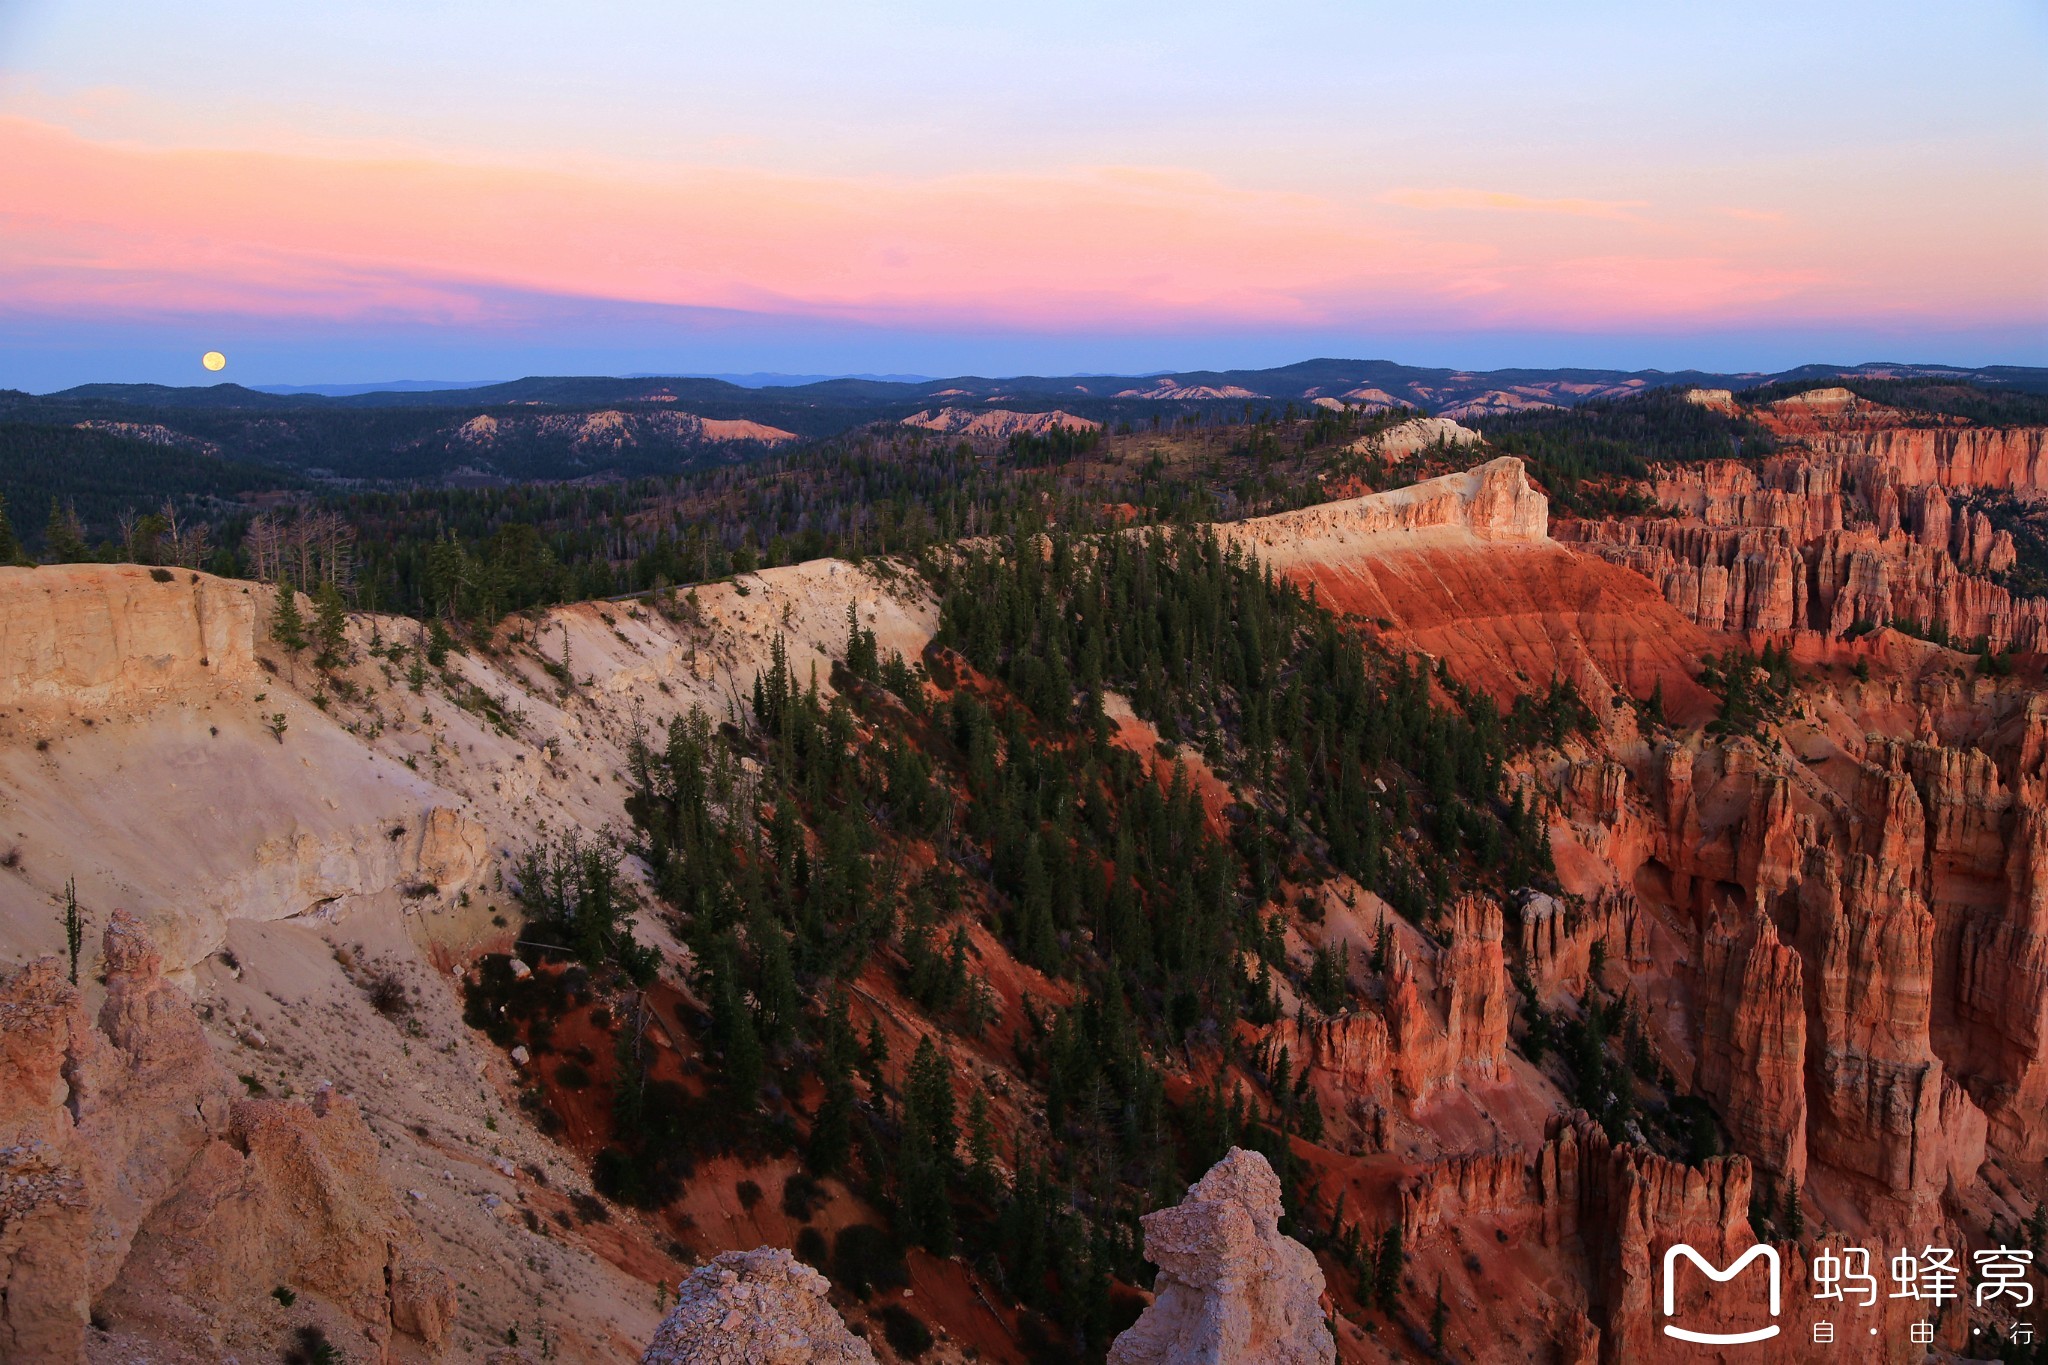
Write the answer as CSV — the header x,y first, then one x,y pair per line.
x,y
282,872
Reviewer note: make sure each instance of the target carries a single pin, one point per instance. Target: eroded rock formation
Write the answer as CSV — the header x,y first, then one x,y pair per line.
x,y
1492,502
761,1307
1231,1289
91,635
1752,1048
131,1182
1403,439
1463,1022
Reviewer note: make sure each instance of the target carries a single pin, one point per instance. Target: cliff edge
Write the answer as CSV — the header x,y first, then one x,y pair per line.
x,y
1492,503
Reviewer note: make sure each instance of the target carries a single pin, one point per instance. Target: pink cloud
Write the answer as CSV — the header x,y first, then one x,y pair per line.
x,y
92,227
1498,201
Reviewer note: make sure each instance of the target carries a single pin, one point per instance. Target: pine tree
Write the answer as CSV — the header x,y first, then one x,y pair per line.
x,y
873,1057
929,1087
924,1208
981,1148
1387,1269
11,551
781,1005
74,924
832,1127
287,627
330,625
629,1095
439,642
743,1060
63,537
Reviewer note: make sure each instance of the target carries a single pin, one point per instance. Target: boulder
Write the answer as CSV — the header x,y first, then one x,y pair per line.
x,y
760,1307
1231,1289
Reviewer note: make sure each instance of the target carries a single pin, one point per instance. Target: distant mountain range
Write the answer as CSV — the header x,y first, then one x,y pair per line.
x,y
1458,392
758,380
571,427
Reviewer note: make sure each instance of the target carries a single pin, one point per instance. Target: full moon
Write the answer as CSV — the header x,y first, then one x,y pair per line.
x,y
214,360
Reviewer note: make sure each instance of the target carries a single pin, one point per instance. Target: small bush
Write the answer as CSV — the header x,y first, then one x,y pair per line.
x,y
310,1346
284,1295
906,1333
802,1196
811,1250
865,1258
749,1193
572,1076
161,575
387,994
590,1208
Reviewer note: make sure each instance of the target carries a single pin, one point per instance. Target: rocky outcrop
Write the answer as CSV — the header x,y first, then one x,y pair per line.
x,y
1885,1106
997,424
1556,940
761,1307
1825,542
1231,1289
1627,1205
1493,502
129,1181
1495,1184
118,635
2002,992
1463,1022
1346,1059
1417,434
2014,458
1752,1045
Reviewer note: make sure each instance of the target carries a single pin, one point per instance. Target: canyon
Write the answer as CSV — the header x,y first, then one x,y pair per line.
x,y
1821,939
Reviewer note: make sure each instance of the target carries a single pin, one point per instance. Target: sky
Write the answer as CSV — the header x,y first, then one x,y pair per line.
x,y
439,189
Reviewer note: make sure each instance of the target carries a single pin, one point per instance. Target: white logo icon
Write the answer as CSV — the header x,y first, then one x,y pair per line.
x,y
1770,1257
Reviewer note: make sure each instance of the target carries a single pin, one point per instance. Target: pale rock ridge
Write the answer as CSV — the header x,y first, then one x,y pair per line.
x,y
100,635
612,430
998,424
129,1179
1494,402
761,1307
1417,434
1490,503
1231,1289
1174,390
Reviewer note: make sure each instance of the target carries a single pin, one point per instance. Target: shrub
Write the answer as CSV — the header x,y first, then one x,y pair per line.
x,y
310,1346
905,1331
865,1258
749,1193
802,1196
387,994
